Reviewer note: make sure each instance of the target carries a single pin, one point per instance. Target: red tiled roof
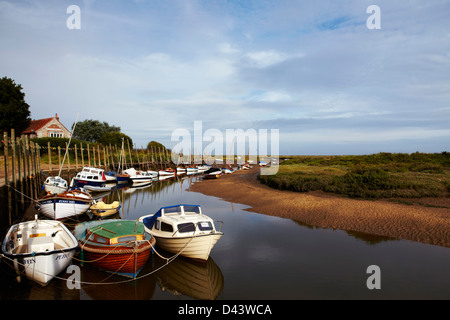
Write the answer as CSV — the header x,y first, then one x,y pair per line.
x,y
36,125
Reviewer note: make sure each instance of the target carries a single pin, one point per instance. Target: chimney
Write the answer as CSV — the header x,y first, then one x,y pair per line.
x,y
56,116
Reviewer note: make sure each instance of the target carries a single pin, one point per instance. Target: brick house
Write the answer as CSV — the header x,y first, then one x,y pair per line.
x,y
48,127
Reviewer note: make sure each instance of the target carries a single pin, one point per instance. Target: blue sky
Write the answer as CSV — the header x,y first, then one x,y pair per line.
x,y
311,69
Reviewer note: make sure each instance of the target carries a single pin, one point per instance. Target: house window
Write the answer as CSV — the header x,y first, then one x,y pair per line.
x,y
56,134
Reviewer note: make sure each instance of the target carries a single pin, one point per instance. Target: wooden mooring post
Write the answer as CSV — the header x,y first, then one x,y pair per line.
x,y
21,168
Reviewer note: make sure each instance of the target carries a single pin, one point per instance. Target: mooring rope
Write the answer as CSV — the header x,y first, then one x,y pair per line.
x,y
26,196
168,260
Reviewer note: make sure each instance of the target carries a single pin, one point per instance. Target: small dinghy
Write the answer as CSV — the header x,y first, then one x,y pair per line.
x,y
39,249
118,246
212,173
101,209
167,172
67,204
55,184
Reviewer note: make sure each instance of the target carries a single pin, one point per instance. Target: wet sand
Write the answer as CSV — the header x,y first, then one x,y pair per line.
x,y
414,222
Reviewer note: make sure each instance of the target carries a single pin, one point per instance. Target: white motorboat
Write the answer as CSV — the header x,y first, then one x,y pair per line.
x,y
102,188
39,249
154,174
55,184
167,172
139,177
183,229
90,176
63,205
181,170
191,170
203,168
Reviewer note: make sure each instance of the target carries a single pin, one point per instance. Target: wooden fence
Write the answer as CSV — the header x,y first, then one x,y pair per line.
x,y
25,165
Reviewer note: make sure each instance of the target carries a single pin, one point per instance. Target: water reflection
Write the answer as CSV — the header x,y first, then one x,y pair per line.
x,y
259,257
368,238
194,279
118,287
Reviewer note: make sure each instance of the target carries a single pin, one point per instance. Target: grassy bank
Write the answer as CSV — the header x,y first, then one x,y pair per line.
x,y
382,175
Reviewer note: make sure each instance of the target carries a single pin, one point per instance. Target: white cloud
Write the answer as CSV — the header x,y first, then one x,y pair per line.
x,y
263,59
298,64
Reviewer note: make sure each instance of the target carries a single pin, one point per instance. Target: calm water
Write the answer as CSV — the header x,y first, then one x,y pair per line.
x,y
259,257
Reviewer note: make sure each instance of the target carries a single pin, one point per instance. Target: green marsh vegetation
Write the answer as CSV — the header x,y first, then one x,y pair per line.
x,y
377,176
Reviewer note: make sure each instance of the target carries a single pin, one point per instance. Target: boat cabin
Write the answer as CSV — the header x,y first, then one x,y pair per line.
x,y
94,174
180,220
112,233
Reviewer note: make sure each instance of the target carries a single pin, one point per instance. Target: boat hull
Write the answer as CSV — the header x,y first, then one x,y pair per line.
x,y
55,185
197,247
82,183
123,178
166,173
42,268
61,208
125,260
105,210
42,265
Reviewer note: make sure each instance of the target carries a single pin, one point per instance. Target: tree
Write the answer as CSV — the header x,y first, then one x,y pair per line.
x,y
14,113
92,130
155,145
114,138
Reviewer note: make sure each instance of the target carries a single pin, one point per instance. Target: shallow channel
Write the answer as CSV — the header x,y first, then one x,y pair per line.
x,y
259,257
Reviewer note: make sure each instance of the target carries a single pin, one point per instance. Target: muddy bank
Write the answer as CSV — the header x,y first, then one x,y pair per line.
x,y
381,217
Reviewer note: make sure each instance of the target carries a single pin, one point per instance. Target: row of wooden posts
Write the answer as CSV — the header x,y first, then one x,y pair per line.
x,y
112,157
23,168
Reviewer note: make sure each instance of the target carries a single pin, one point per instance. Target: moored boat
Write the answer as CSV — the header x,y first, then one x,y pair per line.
x,y
102,188
118,246
183,229
167,172
55,184
191,170
139,177
63,205
181,170
101,209
90,176
227,170
122,178
212,173
39,249
203,168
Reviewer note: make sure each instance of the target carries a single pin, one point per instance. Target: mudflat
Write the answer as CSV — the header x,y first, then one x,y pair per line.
x,y
426,224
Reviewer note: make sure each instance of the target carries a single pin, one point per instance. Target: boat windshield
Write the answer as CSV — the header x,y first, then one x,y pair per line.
x,y
191,209
186,227
172,210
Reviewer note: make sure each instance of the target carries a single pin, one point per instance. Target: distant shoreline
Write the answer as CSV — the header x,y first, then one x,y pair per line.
x,y
425,224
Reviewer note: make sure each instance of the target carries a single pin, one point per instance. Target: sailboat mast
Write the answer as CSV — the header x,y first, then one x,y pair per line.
x,y
67,148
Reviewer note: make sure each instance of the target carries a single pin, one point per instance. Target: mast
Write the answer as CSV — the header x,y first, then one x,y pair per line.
x,y
67,148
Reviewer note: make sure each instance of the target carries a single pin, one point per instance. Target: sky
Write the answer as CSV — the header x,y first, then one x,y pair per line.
x,y
314,70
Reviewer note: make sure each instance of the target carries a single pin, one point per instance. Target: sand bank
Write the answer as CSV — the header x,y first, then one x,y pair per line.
x,y
384,218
